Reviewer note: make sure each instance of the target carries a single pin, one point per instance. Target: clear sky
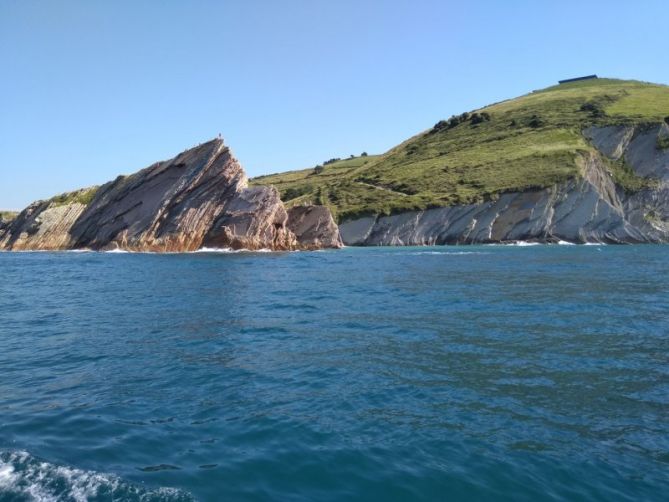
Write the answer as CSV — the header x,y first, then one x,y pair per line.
x,y
92,89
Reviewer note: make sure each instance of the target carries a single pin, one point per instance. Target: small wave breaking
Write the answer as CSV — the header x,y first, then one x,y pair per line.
x,y
25,477
449,253
230,250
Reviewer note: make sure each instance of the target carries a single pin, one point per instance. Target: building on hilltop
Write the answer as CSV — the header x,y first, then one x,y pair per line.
x,y
587,77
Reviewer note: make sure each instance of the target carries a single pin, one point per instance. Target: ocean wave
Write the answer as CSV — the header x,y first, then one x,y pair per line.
x,y
524,243
514,243
215,250
25,477
230,250
451,253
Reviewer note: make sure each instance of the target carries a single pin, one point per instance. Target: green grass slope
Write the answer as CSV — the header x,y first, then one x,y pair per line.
x,y
532,141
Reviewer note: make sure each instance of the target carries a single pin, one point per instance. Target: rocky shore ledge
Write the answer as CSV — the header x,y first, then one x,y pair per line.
x,y
200,198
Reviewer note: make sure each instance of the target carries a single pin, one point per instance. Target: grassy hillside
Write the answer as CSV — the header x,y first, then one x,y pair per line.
x,y
530,141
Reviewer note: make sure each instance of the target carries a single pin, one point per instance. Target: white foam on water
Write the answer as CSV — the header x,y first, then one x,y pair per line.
x,y
23,476
448,253
514,243
524,244
229,250
565,243
215,250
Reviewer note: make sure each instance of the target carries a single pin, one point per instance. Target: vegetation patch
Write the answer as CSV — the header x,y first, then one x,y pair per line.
x,y
663,143
525,143
6,216
83,196
625,177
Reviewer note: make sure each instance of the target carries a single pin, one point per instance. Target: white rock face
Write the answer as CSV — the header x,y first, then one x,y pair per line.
x,y
589,209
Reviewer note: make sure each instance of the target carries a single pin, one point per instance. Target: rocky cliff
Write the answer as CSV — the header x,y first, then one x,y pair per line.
x,y
200,198
588,208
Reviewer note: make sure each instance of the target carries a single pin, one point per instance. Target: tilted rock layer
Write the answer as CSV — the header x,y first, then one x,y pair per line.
x,y
201,198
586,209
198,199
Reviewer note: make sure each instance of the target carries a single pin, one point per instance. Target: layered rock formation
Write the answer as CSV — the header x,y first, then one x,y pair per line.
x,y
589,209
314,227
201,198
198,199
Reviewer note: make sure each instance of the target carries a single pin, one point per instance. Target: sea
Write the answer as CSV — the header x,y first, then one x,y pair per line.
x,y
463,373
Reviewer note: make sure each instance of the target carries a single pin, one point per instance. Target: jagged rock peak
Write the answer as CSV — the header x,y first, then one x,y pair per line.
x,y
200,198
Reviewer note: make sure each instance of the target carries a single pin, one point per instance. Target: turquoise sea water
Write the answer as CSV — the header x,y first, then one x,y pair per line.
x,y
454,373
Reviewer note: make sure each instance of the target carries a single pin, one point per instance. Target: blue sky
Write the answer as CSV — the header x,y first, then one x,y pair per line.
x,y
93,89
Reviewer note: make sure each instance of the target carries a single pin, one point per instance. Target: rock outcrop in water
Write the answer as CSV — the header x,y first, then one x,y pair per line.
x,y
588,209
198,199
314,227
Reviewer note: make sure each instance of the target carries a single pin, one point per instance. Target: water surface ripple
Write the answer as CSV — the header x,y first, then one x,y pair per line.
x,y
459,373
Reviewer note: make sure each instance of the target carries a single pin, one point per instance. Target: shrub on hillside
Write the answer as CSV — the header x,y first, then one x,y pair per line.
x,y
535,122
294,193
477,118
456,120
411,149
663,143
318,169
595,109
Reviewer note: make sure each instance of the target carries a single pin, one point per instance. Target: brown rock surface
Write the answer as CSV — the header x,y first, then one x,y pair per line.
x,y
314,227
200,198
43,225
